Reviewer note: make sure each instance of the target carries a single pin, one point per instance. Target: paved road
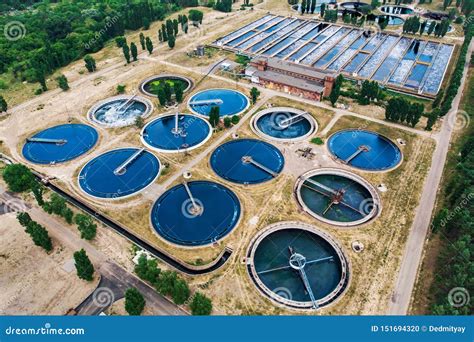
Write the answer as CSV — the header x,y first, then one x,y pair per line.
x,y
113,284
113,276
400,301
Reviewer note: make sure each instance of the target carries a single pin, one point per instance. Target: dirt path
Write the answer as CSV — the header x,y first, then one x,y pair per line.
x,y
401,297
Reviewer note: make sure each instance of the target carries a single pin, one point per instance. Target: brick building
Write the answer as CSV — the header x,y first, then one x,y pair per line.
x,y
300,80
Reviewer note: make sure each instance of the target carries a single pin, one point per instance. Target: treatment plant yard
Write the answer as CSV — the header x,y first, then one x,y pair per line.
x,y
372,270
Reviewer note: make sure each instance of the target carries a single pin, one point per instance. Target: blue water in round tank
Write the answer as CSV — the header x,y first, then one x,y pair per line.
x,y
160,133
355,203
227,161
101,177
273,253
78,138
382,154
173,217
269,124
233,102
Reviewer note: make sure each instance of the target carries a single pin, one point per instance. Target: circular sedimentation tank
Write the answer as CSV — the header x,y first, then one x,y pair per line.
x,y
365,150
247,161
284,124
229,101
60,144
151,85
176,133
195,213
337,197
400,10
120,111
298,265
119,173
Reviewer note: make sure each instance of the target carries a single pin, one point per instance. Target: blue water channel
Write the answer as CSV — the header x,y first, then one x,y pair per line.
x,y
228,161
175,218
100,177
73,141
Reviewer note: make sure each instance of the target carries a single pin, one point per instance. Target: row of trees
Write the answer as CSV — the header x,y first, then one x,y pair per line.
x,y
56,34
453,223
223,5
20,179
169,284
403,111
415,25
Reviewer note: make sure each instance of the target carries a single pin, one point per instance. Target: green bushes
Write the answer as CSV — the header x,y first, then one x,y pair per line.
x,y
86,226
84,267
169,284
18,177
134,302
37,232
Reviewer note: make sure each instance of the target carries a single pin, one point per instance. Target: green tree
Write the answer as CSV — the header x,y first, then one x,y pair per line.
x,y
134,302
3,104
86,226
120,41
126,53
84,267
200,305
178,92
149,45
180,292
62,82
214,116
195,16
90,63
18,177
168,91
166,283
134,51
171,42
160,36
175,27
39,235
254,94
235,119
227,122
161,96
23,218
142,40
323,9
121,89
148,270
38,191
